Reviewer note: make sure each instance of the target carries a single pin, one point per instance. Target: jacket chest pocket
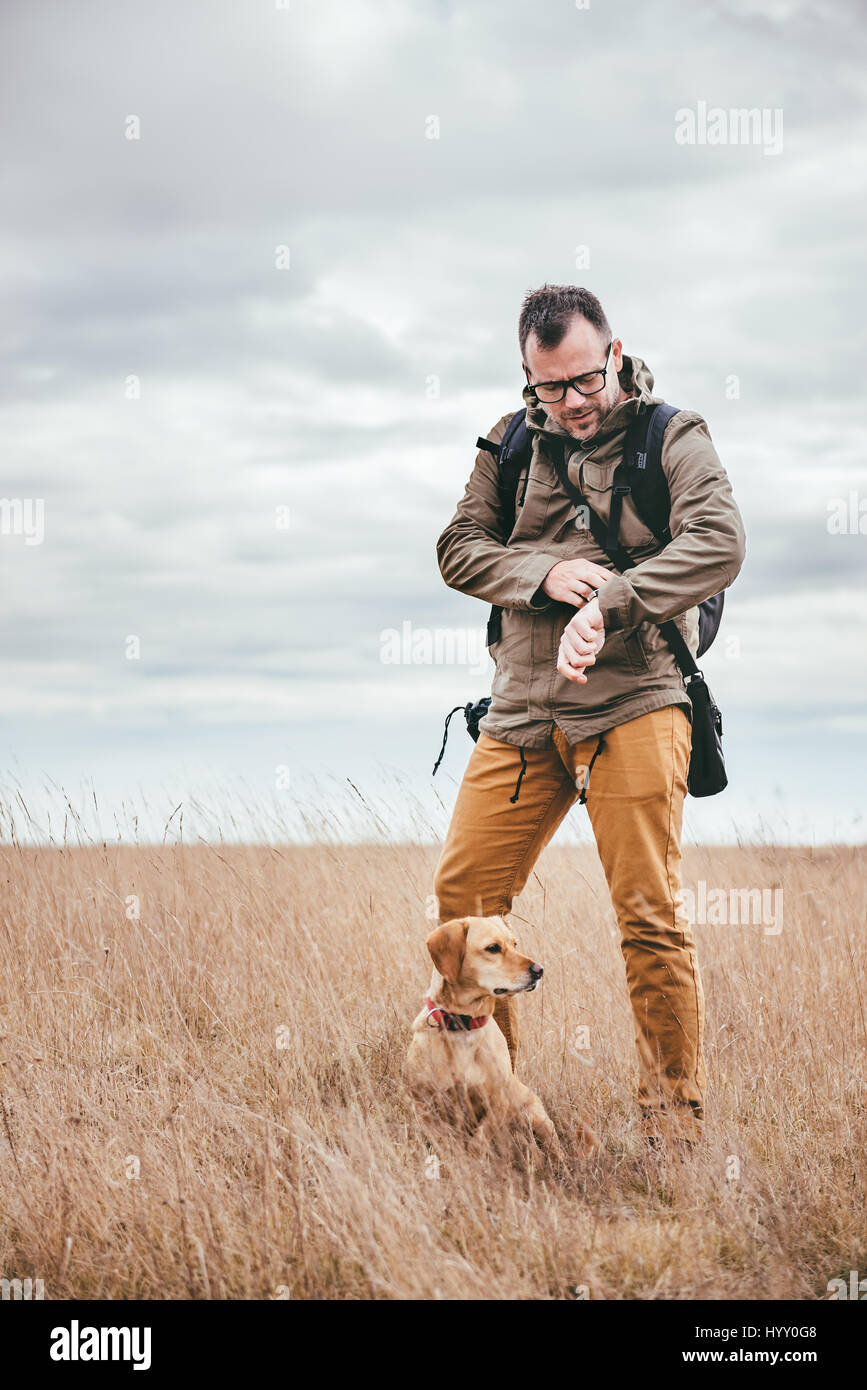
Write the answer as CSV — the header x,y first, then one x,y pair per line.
x,y
596,485
531,515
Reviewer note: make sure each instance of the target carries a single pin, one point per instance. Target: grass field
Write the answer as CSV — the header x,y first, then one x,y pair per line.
x,y
200,1066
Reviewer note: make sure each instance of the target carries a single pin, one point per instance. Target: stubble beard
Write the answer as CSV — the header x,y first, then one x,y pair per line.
x,y
594,421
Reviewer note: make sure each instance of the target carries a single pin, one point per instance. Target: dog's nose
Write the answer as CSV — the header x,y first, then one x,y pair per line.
x,y
536,970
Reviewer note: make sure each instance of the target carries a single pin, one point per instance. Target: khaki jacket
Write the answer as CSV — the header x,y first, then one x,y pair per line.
x,y
635,672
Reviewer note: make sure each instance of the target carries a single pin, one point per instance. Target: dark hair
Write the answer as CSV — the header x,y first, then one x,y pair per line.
x,y
548,312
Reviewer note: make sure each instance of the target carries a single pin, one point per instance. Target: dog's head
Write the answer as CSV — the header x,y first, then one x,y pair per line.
x,y
479,954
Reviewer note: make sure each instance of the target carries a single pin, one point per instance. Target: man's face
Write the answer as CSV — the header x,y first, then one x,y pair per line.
x,y
581,351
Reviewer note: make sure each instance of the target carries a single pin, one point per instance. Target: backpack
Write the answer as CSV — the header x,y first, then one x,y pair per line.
x,y
640,473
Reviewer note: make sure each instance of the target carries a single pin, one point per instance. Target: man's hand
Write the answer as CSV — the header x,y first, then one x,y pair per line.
x,y
573,581
582,639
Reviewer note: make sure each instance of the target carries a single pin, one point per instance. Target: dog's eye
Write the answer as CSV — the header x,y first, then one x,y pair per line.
x,y
494,950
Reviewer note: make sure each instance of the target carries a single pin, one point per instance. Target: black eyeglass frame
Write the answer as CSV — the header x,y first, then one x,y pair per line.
x,y
573,383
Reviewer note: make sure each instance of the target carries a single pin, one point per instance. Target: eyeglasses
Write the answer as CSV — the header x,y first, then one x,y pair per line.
x,y
587,385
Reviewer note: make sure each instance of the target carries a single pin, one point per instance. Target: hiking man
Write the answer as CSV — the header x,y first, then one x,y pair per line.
x,y
584,678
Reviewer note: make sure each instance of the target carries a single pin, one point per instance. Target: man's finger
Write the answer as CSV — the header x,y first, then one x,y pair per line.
x,y
576,647
596,576
577,626
582,627
579,594
572,673
576,658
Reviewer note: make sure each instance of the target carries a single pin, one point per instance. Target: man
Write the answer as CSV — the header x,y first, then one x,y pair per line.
x,y
585,680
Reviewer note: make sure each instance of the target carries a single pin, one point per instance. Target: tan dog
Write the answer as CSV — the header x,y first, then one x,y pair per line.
x,y
458,1063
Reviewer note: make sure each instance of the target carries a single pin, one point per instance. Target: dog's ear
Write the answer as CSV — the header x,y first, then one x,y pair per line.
x,y
446,945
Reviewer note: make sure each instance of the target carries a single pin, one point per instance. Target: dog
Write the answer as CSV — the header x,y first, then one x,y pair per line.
x,y
458,1066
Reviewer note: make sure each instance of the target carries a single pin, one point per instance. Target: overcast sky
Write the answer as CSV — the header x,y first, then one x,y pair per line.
x,y
152,264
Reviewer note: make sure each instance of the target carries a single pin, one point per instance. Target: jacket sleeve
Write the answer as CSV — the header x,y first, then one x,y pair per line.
x,y
707,546
472,553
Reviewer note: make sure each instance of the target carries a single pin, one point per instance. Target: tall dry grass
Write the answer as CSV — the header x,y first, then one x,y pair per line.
x,y
207,1101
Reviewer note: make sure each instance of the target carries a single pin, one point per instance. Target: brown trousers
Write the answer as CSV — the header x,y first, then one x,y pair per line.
x,y
634,796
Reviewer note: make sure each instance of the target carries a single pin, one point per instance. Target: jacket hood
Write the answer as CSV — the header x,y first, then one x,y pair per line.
x,y
634,376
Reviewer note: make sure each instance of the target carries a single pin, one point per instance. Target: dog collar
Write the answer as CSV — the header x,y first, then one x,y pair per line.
x,y
453,1023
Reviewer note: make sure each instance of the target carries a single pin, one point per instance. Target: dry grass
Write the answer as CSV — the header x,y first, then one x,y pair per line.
x,y
298,1168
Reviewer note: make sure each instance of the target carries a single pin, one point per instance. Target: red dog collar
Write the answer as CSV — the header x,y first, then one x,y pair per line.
x,y
454,1023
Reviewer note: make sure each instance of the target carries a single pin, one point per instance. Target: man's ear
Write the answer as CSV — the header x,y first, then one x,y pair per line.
x,y
446,945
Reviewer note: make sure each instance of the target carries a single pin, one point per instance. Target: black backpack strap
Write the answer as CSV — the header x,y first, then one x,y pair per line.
x,y
643,458
618,557
620,488
680,651
512,455
640,473
625,475
517,436
651,498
